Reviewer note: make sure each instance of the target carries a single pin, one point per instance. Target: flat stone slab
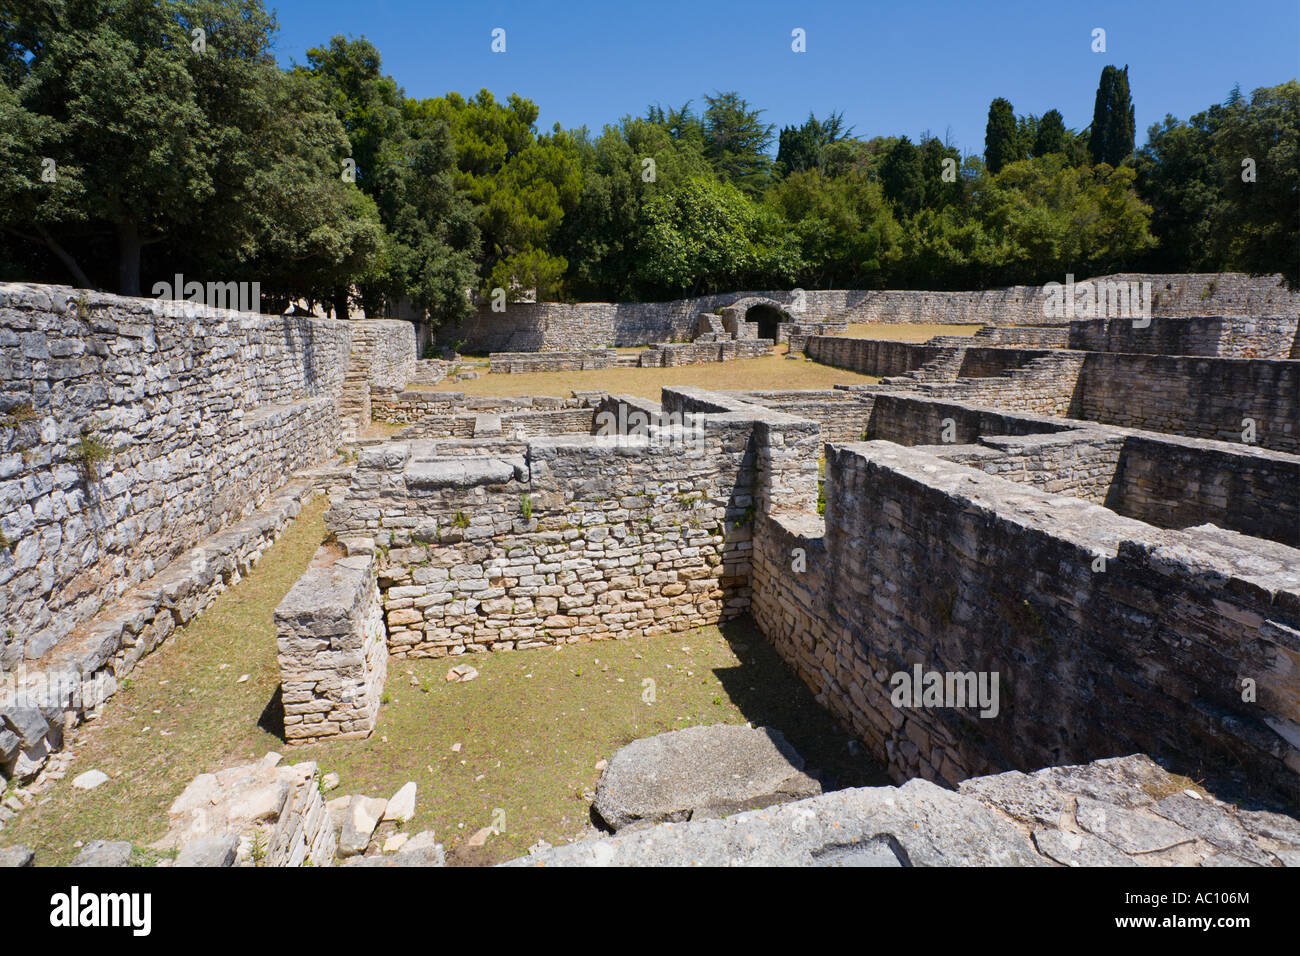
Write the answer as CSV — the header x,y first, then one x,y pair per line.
x,y
1119,811
917,824
700,772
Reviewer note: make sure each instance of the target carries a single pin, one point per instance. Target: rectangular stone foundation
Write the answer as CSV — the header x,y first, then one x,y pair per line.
x,y
333,650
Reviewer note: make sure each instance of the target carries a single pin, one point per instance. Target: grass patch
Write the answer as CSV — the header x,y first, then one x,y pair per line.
x,y
179,713
531,727
907,332
770,372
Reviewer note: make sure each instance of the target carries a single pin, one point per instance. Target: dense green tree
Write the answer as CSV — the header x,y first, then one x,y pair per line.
x,y
1052,136
405,163
705,236
160,137
1002,143
938,191
844,227
1214,210
521,184
902,178
736,141
1256,150
1111,137
805,147
1052,218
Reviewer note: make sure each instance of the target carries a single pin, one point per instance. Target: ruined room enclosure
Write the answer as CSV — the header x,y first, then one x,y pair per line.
x,y
1072,508
1123,583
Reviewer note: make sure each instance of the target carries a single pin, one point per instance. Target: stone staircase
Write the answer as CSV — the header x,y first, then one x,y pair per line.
x,y
354,401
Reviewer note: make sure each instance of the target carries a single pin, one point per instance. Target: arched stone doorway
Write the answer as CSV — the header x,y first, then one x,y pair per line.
x,y
768,318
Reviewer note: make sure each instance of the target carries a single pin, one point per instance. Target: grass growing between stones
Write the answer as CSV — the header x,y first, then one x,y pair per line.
x,y
770,372
181,712
531,727
907,332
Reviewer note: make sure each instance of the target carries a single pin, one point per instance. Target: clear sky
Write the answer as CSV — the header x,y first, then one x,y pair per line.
x,y
900,67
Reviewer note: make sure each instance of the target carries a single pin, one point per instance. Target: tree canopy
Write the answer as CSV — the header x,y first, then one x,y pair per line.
x,y
138,140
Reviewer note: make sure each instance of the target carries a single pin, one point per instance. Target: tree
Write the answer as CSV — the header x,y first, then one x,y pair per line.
x,y
805,147
901,177
938,192
1001,136
157,139
705,236
1111,138
522,185
405,162
1052,136
736,141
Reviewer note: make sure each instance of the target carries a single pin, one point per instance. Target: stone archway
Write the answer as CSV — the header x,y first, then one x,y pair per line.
x,y
755,317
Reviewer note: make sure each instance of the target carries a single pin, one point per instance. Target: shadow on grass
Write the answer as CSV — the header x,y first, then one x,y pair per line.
x,y
272,718
769,694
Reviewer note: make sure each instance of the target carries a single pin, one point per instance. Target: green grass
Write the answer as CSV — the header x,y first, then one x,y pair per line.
x,y
531,727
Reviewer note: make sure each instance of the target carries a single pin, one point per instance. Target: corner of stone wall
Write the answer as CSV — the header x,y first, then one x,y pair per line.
x,y
333,649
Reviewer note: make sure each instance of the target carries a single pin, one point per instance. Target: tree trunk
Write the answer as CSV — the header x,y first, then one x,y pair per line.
x,y
128,258
341,302
70,263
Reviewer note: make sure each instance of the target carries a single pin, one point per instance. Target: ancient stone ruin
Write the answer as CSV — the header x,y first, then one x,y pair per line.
x,y
1085,528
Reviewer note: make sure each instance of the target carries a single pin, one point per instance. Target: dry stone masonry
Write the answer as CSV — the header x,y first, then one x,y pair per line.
x,y
1096,521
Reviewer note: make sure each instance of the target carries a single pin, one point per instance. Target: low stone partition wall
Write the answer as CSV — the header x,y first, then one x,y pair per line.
x,y
870,356
669,355
128,435
516,362
1105,635
1270,337
414,405
1165,480
1177,482
642,530
1052,337
843,415
1197,397
41,702
332,649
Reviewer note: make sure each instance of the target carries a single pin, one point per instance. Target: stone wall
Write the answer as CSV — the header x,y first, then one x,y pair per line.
x,y
561,326
932,564
668,355
1222,336
332,651
388,345
1198,397
126,438
1165,480
573,538
513,362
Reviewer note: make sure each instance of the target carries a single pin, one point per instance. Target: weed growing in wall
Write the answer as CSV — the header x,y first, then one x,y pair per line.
x,y
89,454
526,507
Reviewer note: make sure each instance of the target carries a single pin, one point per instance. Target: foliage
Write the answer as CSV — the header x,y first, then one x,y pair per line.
x,y
1111,137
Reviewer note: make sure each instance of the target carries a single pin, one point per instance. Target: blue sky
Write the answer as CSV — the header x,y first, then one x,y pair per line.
x,y
891,68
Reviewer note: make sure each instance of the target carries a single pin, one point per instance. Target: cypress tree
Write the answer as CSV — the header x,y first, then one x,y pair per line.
x,y
1051,137
1001,136
1111,139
